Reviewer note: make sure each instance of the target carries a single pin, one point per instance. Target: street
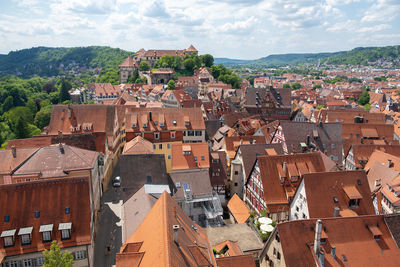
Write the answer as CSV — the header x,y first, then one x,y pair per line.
x,y
109,226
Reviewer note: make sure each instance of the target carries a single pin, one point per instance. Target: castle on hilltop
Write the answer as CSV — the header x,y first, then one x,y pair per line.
x,y
130,64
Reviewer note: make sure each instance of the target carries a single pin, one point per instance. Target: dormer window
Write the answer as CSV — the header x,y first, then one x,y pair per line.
x,y
8,237
25,234
144,125
172,135
65,229
174,122
46,232
133,126
161,124
156,136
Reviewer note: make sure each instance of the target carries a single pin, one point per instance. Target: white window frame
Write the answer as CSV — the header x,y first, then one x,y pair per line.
x,y
65,234
46,236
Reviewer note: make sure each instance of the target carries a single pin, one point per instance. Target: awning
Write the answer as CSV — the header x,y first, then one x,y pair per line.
x,y
46,228
375,230
352,192
25,231
6,233
65,226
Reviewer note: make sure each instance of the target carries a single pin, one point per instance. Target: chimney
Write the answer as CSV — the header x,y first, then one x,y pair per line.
x,y
308,141
61,148
14,151
389,163
333,251
284,168
336,212
69,111
317,240
175,227
150,117
59,133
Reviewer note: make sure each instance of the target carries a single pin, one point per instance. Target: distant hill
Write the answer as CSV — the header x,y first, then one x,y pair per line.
x,y
228,61
356,56
48,61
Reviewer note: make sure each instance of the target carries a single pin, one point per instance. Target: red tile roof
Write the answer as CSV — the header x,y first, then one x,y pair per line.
x,y
161,245
354,242
50,199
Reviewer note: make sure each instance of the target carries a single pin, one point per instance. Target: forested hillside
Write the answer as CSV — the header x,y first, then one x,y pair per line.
x,y
46,61
356,56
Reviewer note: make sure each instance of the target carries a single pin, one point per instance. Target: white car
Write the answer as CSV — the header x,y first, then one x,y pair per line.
x,y
117,181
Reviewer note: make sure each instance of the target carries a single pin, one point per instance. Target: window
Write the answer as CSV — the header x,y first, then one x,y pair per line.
x,y
190,133
160,146
47,236
6,218
27,263
37,214
304,216
39,261
351,135
67,210
236,184
144,125
236,172
297,208
156,136
169,146
198,133
278,256
154,146
26,239
323,241
65,234
333,146
184,133
172,135
277,238
274,251
202,158
195,158
8,241
357,135
80,255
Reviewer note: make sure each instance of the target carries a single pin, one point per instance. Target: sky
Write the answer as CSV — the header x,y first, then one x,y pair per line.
x,y
243,29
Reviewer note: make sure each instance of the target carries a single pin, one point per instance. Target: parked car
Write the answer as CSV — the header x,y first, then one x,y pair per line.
x,y
117,181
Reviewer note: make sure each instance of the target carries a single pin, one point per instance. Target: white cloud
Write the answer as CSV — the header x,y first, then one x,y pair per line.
x,y
376,28
382,10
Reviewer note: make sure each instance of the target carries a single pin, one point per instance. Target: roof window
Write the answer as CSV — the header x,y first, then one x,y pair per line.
x,y
67,211
6,218
37,214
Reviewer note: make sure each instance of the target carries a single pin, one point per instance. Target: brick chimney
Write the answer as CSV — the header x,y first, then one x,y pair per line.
x,y
14,151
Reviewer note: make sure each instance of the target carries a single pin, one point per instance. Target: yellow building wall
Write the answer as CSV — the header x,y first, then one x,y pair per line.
x,y
166,150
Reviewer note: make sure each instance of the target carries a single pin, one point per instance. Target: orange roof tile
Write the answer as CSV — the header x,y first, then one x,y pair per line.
x,y
190,156
239,210
169,238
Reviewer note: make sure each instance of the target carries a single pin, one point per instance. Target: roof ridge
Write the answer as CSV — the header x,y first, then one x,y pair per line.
x,y
73,150
166,224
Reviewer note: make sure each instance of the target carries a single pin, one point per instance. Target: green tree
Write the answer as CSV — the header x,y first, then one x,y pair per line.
x,y
364,98
64,94
189,64
296,86
55,258
317,86
144,66
320,107
171,85
207,59
133,78
42,118
31,104
21,128
286,85
8,103
142,80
